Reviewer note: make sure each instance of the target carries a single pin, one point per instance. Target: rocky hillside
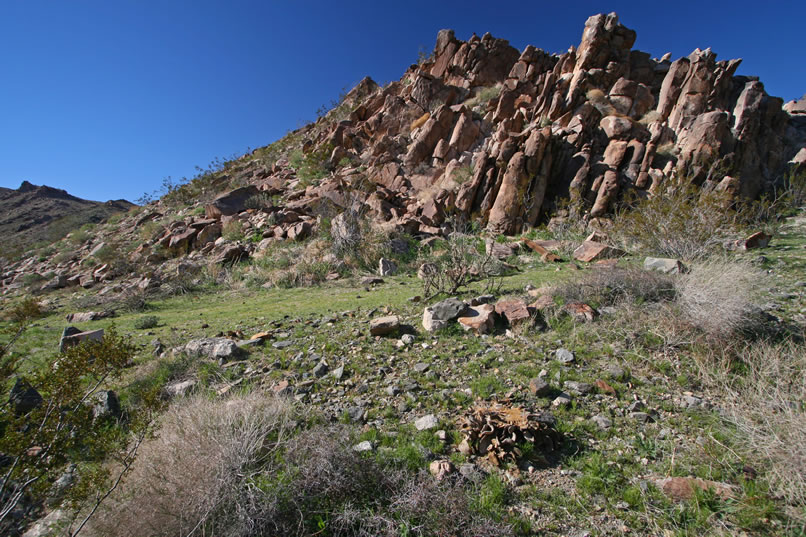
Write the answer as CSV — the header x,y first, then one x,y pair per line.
x,y
33,214
481,131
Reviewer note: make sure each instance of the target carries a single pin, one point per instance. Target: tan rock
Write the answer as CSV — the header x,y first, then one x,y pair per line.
x,y
505,216
480,319
683,488
383,326
515,311
592,251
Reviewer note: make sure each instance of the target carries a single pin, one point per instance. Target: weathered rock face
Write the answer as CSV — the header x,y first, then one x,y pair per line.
x,y
534,126
488,133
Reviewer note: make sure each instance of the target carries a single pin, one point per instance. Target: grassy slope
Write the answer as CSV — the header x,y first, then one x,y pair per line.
x,y
602,480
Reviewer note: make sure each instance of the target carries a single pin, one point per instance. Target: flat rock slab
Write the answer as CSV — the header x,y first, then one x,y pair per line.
x,y
664,264
87,316
593,251
73,339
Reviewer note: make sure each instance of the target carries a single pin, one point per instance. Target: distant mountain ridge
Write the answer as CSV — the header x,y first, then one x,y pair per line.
x,y
32,214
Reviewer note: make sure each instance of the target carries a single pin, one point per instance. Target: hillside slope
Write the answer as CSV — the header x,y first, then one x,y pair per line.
x,y
33,214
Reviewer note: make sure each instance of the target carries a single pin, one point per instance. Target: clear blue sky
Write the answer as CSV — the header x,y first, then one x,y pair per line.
x,y
104,98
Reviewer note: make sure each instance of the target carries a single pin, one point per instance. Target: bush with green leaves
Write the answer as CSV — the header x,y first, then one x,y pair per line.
x,y
312,166
678,220
145,322
52,420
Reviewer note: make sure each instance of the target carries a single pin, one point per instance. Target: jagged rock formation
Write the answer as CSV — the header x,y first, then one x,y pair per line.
x,y
34,213
482,131
586,124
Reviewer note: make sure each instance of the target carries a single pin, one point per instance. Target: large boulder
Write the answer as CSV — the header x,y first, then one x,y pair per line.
x,y
217,348
383,326
440,314
480,319
24,397
231,202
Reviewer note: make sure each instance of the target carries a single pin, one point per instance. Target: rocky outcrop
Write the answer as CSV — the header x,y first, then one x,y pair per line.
x,y
478,131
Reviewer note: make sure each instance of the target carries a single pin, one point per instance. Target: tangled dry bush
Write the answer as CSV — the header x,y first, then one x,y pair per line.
x,y
610,287
190,477
241,467
677,221
766,404
716,297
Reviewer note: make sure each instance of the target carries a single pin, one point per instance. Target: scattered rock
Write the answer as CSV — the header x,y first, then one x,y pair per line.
x,y
221,349
539,387
480,319
107,405
24,397
440,314
426,422
87,316
441,469
756,240
515,311
384,326
364,446
561,400
590,251
683,488
577,388
320,370
603,422
564,356
664,265
387,267
179,388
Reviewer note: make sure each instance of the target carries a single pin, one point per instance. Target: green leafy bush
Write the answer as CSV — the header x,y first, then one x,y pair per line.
x,y
678,220
147,321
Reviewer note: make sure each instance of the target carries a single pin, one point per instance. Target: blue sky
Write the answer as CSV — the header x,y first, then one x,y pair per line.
x,y
106,98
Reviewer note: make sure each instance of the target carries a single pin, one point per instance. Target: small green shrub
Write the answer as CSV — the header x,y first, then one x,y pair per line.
x,y
146,322
313,166
678,220
233,230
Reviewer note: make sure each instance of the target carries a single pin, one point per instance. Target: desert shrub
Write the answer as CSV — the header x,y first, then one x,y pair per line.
x,y
238,467
46,429
650,117
766,405
484,96
716,297
456,263
261,200
360,245
609,287
233,230
196,476
420,121
63,257
678,221
145,322
80,236
599,100
312,166
113,255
